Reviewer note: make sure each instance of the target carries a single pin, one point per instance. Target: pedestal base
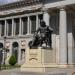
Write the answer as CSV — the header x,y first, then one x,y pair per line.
x,y
32,68
51,71
37,67
39,60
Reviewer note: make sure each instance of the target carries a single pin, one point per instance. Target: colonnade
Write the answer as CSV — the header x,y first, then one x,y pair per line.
x,y
17,25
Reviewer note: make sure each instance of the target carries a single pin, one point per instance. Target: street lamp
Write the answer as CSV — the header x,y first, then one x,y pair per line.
x,y
4,50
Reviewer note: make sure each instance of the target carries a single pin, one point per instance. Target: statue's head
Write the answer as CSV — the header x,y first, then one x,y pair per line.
x,y
42,23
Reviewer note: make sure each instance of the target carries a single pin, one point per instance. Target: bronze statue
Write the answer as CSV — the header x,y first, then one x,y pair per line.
x,y
41,36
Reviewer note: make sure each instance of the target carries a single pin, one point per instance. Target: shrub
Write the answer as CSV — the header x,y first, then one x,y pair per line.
x,y
12,60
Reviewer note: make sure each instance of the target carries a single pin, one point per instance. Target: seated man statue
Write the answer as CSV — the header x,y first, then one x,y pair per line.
x,y
41,36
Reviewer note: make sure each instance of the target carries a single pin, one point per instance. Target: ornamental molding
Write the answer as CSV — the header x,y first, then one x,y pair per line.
x,y
23,42
19,4
7,44
19,10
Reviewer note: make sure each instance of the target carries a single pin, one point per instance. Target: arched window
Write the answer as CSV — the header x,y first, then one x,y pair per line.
x,y
15,46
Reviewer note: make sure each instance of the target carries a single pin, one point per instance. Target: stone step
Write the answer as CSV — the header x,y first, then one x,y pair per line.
x,y
31,73
53,71
36,73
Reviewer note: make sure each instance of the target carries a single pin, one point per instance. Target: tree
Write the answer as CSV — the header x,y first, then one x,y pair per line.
x,y
12,60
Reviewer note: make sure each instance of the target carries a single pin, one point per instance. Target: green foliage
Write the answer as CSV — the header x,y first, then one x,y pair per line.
x,y
10,66
12,60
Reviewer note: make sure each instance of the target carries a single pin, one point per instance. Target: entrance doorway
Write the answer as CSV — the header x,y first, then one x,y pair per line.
x,y
15,49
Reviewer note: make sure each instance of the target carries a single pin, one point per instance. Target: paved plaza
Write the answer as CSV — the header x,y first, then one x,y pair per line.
x,y
53,71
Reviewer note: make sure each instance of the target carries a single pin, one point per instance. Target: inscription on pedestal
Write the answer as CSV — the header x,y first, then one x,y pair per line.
x,y
33,53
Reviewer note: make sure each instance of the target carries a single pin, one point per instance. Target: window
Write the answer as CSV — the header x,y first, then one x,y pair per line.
x,y
24,23
2,23
40,18
22,54
33,24
9,23
17,24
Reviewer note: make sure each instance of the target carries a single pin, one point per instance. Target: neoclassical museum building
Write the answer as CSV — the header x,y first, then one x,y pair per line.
x,y
19,20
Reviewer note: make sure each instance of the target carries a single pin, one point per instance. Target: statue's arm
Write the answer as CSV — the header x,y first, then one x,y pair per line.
x,y
50,29
37,30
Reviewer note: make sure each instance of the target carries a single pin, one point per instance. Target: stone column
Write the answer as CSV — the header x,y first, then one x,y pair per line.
x,y
70,38
63,37
37,22
28,28
46,17
21,27
5,28
20,31
12,27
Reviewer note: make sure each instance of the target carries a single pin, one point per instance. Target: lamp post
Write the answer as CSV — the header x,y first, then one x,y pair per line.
x,y
4,50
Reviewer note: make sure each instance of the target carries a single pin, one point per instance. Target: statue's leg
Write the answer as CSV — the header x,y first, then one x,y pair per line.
x,y
41,43
30,44
50,42
46,41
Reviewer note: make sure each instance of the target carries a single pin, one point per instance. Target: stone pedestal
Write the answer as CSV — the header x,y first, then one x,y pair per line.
x,y
39,60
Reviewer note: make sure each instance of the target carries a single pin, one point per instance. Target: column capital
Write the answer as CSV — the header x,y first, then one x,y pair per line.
x,y
61,8
45,9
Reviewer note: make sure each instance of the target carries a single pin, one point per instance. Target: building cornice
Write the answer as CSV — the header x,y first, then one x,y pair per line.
x,y
21,10
59,4
19,4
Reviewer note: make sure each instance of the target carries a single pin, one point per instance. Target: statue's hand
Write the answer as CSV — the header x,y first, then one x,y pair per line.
x,y
35,33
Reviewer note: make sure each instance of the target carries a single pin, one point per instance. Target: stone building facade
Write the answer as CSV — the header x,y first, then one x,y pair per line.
x,y
19,20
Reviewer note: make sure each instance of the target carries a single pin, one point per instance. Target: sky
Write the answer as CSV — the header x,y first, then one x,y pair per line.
x,y
7,1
